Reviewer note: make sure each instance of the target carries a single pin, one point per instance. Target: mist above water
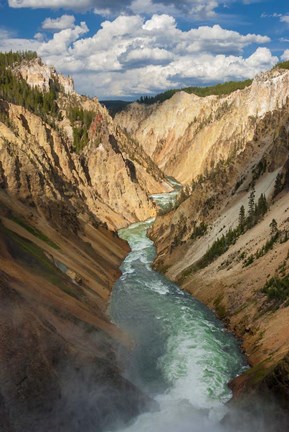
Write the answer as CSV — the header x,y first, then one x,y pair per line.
x,y
183,357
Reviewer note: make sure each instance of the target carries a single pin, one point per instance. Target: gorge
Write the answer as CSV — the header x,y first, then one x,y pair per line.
x,y
95,332
183,357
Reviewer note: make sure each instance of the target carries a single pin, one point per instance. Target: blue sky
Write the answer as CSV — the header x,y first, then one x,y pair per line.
x,y
127,48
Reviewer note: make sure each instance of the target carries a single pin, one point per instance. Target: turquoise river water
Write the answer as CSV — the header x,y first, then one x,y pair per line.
x,y
183,357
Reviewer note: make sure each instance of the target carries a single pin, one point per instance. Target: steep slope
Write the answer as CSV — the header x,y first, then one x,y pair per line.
x,y
188,135
58,348
58,258
227,256
74,135
37,163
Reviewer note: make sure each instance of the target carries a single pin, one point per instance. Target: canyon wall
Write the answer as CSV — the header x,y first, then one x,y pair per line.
x,y
108,169
60,254
239,269
70,176
188,135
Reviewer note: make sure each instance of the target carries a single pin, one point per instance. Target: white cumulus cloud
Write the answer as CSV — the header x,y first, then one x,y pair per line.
x,y
40,37
61,23
18,44
132,55
198,9
61,41
285,55
52,4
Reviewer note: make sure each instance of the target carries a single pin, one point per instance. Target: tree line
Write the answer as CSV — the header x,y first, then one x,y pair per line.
x,y
81,120
218,90
15,89
256,211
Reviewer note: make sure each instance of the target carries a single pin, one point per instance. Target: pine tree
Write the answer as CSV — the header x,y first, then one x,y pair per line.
x,y
274,227
17,91
262,206
278,186
242,218
251,215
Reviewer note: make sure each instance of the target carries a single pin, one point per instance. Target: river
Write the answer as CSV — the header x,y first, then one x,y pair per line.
x,y
183,357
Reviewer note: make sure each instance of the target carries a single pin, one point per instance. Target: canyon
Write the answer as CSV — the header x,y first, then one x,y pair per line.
x,y
60,255
222,148
71,176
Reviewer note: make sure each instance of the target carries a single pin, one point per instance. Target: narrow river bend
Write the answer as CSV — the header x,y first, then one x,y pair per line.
x,y
183,357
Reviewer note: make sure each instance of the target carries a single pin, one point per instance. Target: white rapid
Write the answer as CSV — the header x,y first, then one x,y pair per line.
x,y
183,357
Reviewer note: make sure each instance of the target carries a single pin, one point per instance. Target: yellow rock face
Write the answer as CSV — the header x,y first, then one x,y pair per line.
x,y
250,140
187,135
59,261
110,177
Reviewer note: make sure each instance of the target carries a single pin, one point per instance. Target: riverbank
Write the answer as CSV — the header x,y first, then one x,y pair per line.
x,y
182,356
233,290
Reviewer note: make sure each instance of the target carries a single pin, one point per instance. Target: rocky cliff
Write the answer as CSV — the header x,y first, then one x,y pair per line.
x,y
39,75
75,148
189,135
66,175
227,242
37,165
70,176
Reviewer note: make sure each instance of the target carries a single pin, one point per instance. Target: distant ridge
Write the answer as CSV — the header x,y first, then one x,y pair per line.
x,y
115,106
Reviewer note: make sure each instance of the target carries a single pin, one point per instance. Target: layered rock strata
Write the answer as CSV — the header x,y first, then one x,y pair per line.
x,y
189,135
234,282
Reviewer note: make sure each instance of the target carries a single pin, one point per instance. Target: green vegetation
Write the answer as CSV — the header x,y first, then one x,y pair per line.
x,y
34,231
115,106
275,236
222,244
261,252
219,247
249,261
81,120
199,230
216,175
282,65
274,228
242,219
256,211
4,118
14,89
278,185
259,169
277,288
266,247
14,58
282,268
218,90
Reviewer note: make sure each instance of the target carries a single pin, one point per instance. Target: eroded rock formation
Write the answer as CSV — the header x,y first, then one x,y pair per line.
x,y
59,260
188,135
225,149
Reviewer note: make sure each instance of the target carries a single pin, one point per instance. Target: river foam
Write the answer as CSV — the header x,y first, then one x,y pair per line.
x,y
183,357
